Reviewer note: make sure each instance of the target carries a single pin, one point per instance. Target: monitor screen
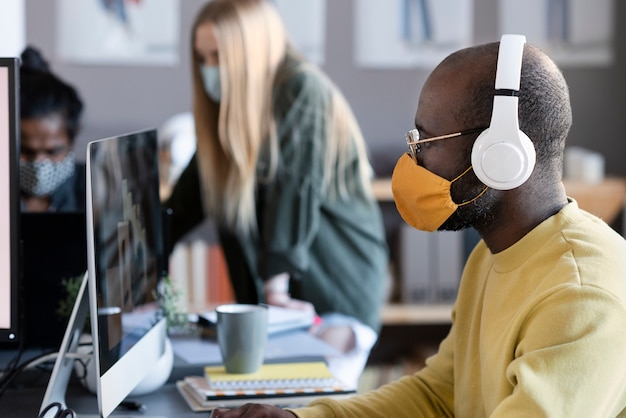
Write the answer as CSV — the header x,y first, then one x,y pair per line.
x,y
51,267
9,200
125,260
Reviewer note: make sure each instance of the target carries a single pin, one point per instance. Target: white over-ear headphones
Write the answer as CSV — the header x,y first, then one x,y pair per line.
x,y
503,157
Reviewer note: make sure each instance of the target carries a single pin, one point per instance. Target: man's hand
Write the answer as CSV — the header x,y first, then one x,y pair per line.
x,y
252,410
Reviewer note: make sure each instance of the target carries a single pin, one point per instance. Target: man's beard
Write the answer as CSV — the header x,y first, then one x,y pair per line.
x,y
479,214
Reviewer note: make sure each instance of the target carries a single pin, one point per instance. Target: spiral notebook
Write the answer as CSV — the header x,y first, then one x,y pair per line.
x,y
195,398
273,376
277,384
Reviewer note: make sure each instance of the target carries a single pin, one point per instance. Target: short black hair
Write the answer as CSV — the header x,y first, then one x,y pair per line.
x,y
42,93
545,113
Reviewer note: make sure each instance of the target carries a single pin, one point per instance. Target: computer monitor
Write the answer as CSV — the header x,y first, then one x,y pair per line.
x,y
125,264
54,257
9,201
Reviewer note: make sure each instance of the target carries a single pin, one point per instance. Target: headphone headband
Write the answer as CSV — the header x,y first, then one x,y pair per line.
x,y
509,70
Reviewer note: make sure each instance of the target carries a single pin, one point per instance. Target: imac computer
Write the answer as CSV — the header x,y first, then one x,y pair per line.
x,y
9,201
125,264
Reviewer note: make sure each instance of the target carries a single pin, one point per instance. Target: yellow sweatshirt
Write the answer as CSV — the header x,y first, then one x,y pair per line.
x,y
538,330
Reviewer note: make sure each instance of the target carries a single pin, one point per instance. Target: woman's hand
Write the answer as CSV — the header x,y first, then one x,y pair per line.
x,y
277,293
252,410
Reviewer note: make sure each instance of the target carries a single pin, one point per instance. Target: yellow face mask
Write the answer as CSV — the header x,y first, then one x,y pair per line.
x,y
422,197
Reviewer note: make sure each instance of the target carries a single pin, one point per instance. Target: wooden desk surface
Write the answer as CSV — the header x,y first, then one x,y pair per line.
x,y
605,200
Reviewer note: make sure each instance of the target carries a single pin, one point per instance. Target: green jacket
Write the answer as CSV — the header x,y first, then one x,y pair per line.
x,y
334,250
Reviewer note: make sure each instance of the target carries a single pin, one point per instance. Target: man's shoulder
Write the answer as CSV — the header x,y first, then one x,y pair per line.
x,y
583,229
71,195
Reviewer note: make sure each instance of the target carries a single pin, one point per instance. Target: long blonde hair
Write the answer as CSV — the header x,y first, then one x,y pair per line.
x,y
253,46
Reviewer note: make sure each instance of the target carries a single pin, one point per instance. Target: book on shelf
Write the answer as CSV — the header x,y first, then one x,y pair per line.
x,y
198,268
283,384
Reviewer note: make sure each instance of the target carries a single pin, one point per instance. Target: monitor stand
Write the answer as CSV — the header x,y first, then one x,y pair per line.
x,y
68,353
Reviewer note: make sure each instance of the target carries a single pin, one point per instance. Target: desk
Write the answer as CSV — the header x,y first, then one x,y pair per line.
x,y
24,398
25,403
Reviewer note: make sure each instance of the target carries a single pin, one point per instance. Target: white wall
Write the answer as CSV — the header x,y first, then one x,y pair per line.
x,y
121,99
12,28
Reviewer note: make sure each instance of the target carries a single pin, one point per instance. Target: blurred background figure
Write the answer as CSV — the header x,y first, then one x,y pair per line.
x,y
281,166
50,110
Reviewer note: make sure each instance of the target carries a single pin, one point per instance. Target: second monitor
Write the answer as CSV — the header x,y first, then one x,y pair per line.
x,y
125,262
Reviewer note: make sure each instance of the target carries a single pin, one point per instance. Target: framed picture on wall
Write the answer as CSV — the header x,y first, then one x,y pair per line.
x,y
12,28
572,32
126,32
410,33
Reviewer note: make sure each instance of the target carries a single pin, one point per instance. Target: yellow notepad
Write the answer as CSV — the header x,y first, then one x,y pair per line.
x,y
271,376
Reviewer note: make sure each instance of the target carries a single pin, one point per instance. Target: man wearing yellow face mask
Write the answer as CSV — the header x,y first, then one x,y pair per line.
x,y
538,324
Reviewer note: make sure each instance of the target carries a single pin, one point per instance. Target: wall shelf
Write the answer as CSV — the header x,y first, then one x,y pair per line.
x,y
416,314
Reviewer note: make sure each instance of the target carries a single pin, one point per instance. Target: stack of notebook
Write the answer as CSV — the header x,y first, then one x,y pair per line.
x,y
283,384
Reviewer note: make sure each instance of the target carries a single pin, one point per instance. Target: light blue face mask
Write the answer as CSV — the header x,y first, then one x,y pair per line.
x,y
212,81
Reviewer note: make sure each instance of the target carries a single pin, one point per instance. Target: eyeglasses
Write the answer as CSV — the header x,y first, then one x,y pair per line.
x,y
413,139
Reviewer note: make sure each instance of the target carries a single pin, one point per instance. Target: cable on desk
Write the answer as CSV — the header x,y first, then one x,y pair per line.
x,y
34,362
12,365
16,370
15,360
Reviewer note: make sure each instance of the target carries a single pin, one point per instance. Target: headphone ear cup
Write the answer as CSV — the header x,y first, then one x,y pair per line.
x,y
503,164
503,157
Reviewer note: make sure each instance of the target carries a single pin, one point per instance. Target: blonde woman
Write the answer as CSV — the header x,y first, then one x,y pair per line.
x,y
281,167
